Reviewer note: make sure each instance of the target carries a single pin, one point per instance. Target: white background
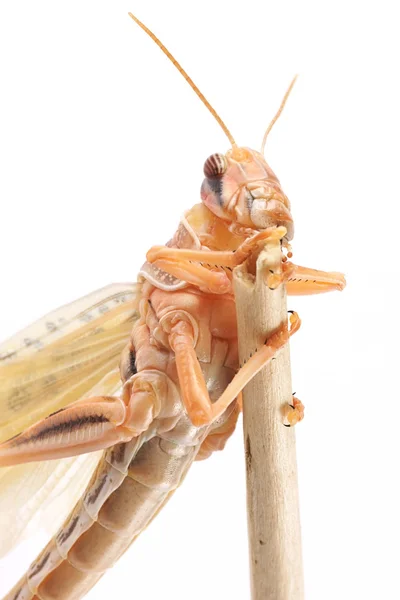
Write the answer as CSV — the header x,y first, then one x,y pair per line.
x,y
101,149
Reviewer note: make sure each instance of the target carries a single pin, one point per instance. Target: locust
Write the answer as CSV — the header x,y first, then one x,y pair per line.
x,y
130,385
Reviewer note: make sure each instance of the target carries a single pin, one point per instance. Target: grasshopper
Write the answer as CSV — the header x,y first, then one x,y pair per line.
x,y
175,397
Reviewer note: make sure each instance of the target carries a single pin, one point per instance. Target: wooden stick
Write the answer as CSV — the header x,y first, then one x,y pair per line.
x,y
271,470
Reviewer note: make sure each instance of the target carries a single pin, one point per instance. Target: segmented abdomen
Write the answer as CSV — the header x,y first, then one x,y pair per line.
x,y
130,485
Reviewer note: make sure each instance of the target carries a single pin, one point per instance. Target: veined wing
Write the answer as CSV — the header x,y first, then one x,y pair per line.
x,y
41,494
58,359
69,354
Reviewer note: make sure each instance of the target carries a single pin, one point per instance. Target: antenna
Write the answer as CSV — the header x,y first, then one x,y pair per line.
x,y
186,76
278,114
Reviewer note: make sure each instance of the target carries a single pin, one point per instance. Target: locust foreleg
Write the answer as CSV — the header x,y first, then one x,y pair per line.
x,y
197,267
302,281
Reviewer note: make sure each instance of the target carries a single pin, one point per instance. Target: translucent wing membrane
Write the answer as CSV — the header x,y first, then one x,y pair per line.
x,y
70,354
63,355
40,495
70,318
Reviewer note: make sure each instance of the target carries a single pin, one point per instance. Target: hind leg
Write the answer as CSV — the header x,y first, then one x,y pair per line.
x,y
91,424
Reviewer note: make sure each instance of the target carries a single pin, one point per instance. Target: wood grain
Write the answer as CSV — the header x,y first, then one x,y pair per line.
x,y
271,470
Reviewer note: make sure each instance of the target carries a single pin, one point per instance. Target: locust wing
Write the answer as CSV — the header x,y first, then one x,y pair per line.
x,y
63,355
67,355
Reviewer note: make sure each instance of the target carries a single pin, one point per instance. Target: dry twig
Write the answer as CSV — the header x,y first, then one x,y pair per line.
x,y
271,471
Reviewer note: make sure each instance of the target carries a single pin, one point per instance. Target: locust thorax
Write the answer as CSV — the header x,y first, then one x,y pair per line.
x,y
240,187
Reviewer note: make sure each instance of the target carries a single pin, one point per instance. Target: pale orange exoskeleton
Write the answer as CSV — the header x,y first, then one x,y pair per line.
x,y
61,393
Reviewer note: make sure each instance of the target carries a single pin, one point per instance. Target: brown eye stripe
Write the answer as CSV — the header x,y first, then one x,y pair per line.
x,y
215,165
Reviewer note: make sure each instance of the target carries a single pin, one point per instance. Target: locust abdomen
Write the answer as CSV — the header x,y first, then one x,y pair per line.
x,y
131,484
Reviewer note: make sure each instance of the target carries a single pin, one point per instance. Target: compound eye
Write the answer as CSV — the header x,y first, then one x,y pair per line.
x,y
215,165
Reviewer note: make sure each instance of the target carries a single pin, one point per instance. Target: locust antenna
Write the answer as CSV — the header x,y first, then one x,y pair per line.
x,y
186,76
278,114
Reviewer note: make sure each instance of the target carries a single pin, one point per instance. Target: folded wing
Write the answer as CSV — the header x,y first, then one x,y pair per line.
x,y
69,354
